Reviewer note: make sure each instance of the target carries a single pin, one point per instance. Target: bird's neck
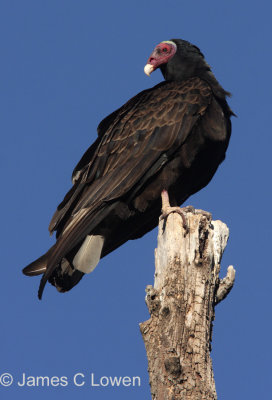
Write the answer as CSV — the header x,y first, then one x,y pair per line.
x,y
185,70
218,91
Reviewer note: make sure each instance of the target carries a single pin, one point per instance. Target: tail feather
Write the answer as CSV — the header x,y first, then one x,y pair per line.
x,y
42,285
37,267
64,276
65,272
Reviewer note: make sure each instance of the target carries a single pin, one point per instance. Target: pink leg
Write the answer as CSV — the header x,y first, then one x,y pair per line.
x,y
167,209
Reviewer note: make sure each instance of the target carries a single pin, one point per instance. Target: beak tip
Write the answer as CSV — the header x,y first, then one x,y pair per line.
x,y
148,69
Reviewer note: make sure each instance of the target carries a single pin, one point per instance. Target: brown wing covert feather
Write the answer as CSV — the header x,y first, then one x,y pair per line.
x,y
143,133
142,129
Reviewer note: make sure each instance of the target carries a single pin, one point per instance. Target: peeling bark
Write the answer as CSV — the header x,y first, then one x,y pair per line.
x,y
181,305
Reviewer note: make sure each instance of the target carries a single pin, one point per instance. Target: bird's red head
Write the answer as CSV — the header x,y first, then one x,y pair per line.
x,y
162,53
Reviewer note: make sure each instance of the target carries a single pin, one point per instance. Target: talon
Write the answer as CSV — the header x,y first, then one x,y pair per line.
x,y
167,209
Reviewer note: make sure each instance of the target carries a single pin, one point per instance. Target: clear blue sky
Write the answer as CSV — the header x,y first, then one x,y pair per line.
x,y
64,66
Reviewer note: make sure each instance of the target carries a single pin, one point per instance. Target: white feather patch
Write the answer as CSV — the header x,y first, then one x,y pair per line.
x,y
88,256
170,42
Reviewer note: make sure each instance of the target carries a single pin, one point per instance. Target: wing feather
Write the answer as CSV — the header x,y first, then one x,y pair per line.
x,y
153,122
134,142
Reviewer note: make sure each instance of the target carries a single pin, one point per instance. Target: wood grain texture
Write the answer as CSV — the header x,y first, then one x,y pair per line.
x,y
181,304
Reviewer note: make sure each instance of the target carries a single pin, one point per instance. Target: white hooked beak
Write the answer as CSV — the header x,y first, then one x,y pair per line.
x,y
148,69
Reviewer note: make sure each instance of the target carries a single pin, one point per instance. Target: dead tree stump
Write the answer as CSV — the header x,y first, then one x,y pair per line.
x,y
186,289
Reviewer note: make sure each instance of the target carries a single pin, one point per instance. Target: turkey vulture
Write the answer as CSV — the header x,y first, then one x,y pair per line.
x,y
167,140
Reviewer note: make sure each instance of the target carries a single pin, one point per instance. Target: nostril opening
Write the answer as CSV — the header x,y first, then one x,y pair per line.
x,y
150,60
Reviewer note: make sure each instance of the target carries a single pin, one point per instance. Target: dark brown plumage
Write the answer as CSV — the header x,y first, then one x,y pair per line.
x,y
172,136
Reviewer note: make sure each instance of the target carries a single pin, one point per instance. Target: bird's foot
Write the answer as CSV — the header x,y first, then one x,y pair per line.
x,y
167,209
181,211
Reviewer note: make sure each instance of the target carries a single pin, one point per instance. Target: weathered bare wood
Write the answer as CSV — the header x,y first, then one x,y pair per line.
x,y
225,285
186,288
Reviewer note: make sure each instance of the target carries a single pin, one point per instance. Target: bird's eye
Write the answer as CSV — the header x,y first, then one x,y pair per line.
x,y
165,49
